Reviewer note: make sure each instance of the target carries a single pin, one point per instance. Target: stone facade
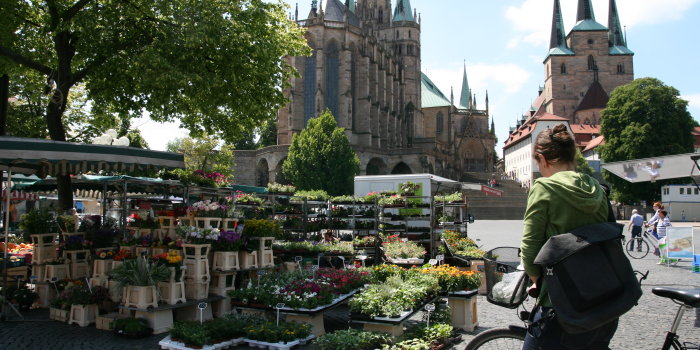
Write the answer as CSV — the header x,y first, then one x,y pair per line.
x,y
365,68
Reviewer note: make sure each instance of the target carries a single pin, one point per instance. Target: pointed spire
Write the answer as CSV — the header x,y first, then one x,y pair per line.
x,y
585,11
493,126
314,6
402,12
296,12
615,36
487,102
465,96
474,102
452,95
558,37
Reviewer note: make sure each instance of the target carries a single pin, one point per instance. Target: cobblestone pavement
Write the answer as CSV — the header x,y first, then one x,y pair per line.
x,y
644,327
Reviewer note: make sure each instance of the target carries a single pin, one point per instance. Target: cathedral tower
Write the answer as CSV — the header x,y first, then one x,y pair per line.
x,y
582,68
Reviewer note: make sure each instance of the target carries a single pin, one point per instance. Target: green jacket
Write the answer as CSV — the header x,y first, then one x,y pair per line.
x,y
556,205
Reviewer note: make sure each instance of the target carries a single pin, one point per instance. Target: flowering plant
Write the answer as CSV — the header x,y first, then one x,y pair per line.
x,y
123,255
370,197
366,241
452,279
202,178
76,243
403,250
457,241
393,200
193,235
105,255
449,198
247,198
409,188
171,259
208,208
274,187
229,241
397,294
379,273
285,332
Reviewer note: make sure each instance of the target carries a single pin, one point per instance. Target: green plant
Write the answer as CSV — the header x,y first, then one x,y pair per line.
x,y
352,339
344,199
393,200
37,221
282,333
66,223
274,187
22,296
130,325
403,250
311,195
222,329
412,344
139,272
409,188
449,198
471,252
394,296
261,228
190,333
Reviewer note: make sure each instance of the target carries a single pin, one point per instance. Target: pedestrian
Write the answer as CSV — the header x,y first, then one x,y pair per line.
x,y
658,206
636,222
661,226
559,201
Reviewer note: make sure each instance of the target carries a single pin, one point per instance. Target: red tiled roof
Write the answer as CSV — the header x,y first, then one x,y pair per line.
x,y
550,117
585,129
526,129
594,143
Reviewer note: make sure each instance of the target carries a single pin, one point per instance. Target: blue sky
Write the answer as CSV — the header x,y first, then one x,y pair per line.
x,y
504,43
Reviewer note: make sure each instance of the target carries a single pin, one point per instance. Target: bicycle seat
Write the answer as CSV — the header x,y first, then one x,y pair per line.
x,y
690,297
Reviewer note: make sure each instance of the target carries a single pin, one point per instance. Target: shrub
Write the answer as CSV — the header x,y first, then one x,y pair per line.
x,y
352,339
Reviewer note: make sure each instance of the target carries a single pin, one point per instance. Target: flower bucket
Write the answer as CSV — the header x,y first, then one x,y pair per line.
x,y
207,222
196,251
83,315
224,261
141,297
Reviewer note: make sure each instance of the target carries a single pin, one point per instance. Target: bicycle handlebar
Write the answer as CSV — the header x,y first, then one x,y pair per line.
x,y
644,276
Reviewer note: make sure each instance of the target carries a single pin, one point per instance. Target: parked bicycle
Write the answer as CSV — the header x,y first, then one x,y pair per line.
x,y
687,299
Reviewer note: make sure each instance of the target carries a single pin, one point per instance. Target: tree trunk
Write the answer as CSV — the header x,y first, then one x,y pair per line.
x,y
54,114
4,95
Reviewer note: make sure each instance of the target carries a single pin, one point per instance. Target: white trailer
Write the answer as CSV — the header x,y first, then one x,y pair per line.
x,y
430,184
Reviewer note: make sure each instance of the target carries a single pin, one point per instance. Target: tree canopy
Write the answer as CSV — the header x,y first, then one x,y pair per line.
x,y
214,65
320,158
643,119
205,153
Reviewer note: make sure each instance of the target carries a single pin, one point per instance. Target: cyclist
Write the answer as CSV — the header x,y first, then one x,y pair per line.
x,y
636,222
559,201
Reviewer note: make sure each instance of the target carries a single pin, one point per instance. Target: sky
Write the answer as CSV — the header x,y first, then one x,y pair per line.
x,y
504,43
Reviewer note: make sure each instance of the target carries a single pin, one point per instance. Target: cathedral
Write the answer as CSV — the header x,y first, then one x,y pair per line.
x,y
365,68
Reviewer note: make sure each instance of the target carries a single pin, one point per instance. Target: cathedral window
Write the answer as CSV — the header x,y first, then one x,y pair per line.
x,y
620,68
309,87
397,34
563,69
591,62
332,74
439,122
409,34
381,16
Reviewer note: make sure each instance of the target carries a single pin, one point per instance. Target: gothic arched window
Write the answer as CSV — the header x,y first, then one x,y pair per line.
x,y
563,68
439,121
331,67
309,87
591,62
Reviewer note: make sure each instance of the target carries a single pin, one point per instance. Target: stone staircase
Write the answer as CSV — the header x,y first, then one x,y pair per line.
x,y
484,207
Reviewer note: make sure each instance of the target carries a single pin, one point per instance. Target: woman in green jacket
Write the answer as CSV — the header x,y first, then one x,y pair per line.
x,y
559,201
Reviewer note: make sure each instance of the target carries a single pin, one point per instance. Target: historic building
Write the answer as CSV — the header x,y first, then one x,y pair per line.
x,y
366,69
581,70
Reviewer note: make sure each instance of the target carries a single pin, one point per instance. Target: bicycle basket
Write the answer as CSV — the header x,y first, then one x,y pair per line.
x,y
506,285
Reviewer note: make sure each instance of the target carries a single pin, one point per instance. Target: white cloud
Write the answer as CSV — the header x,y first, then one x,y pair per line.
x,y
158,134
693,104
508,78
533,18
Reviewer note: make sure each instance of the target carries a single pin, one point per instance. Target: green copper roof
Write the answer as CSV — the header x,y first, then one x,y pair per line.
x,y
431,96
588,24
620,50
403,11
560,51
465,96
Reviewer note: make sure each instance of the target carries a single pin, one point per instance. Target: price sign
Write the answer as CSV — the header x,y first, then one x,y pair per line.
x,y
432,261
430,307
314,267
262,272
440,257
297,259
202,305
279,306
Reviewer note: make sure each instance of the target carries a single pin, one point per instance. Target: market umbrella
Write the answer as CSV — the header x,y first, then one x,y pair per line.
x,y
45,157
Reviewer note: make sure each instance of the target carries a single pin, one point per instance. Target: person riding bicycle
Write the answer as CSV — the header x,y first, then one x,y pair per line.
x,y
559,201
636,222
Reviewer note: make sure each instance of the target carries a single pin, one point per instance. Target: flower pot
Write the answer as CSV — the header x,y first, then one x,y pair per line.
x,y
176,276
224,261
185,221
83,315
229,224
58,272
196,251
172,292
141,297
248,260
101,268
204,222
58,314
115,294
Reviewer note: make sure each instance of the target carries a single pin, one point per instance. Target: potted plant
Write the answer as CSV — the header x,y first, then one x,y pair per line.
x,y
392,201
207,214
197,242
193,333
226,251
22,296
270,334
67,223
404,252
130,327
58,309
83,302
409,188
140,278
280,189
247,199
352,339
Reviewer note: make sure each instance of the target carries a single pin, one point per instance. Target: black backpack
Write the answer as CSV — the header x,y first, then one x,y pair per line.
x,y
590,280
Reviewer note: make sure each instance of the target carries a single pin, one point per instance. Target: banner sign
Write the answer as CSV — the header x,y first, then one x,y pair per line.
x,y
680,242
491,191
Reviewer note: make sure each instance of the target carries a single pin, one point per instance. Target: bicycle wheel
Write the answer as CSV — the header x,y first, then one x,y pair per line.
x,y
498,339
637,248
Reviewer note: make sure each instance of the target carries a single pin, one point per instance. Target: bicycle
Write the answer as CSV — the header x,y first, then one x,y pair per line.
x,y
687,299
638,247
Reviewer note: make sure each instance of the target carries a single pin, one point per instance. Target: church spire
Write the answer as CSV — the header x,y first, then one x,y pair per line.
x,y
465,96
557,39
585,11
615,30
403,12
487,102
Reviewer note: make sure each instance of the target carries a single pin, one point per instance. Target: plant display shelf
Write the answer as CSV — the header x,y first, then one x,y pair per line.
x,y
168,343
391,325
161,318
463,309
278,346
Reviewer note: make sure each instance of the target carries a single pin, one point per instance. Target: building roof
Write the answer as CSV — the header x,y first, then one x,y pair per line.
x,y
431,96
594,143
334,10
595,97
403,11
588,25
585,129
550,117
529,126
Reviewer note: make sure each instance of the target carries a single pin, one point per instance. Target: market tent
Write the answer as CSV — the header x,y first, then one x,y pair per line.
x,y
20,195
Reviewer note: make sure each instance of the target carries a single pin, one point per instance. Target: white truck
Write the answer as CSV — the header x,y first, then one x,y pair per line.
x,y
430,184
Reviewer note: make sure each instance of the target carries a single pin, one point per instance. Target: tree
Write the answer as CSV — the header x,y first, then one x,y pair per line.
x,y
214,65
582,165
205,153
320,158
643,119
